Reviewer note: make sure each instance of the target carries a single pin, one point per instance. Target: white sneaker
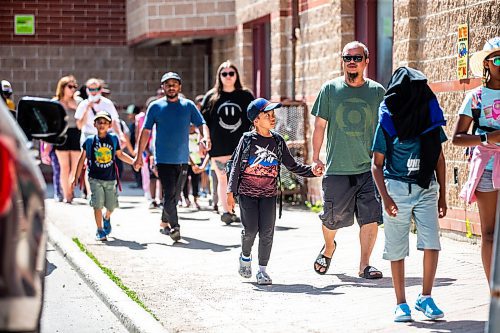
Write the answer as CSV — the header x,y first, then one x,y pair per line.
x,y
245,268
263,278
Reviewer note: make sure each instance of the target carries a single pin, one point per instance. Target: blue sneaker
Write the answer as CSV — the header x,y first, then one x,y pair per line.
x,y
428,307
106,225
402,313
100,235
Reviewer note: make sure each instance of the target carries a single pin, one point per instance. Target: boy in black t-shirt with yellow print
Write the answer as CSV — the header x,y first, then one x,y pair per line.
x,y
100,151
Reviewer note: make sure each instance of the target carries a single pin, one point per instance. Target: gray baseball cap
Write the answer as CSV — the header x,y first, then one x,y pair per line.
x,y
171,75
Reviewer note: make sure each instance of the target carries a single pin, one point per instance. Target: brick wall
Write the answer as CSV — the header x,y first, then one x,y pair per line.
x,y
90,22
167,19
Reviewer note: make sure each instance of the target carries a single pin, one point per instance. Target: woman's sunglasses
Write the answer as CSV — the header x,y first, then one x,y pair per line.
x,y
496,60
224,74
70,86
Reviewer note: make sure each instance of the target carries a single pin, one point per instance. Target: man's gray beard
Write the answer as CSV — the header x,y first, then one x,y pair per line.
x,y
351,77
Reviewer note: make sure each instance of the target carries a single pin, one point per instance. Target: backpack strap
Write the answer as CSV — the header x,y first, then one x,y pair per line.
x,y
280,143
114,139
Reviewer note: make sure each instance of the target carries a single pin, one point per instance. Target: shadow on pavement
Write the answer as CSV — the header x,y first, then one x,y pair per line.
x,y
113,241
386,282
196,244
50,267
457,326
279,228
194,218
296,289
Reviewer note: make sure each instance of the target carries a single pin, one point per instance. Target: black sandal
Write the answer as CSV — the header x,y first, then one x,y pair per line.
x,y
323,261
371,273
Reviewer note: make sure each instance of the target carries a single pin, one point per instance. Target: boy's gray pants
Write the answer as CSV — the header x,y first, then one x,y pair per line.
x,y
258,215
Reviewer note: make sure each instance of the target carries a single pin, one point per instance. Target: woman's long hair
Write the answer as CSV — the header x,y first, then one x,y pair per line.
x,y
218,86
63,82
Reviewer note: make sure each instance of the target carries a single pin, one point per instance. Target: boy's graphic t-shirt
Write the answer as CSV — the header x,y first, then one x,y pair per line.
x,y
101,160
402,158
259,179
490,111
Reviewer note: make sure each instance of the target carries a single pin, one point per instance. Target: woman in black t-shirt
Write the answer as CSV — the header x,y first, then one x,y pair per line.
x,y
224,109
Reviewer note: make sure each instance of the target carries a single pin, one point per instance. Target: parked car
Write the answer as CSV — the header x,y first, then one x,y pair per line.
x,y
22,210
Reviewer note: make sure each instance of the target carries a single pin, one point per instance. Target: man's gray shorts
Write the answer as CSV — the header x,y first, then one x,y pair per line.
x,y
345,196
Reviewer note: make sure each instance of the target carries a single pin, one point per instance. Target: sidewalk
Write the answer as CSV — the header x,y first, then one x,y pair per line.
x,y
193,286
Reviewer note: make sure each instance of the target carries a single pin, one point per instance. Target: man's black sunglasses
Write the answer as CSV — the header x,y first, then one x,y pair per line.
x,y
356,58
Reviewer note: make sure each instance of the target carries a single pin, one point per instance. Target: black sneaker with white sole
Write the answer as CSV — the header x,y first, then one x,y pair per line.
x,y
227,218
175,234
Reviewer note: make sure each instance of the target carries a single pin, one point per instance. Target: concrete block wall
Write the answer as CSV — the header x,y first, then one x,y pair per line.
x,y
133,74
425,35
178,19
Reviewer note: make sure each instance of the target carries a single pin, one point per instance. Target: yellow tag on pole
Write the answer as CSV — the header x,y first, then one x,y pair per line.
x,y
468,228
462,51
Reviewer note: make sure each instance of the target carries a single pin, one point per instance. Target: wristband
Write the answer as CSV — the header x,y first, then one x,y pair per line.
x,y
484,138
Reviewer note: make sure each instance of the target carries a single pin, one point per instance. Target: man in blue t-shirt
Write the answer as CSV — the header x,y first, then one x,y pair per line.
x,y
172,116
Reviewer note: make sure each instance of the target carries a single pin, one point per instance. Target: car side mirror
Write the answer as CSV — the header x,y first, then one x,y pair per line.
x,y
43,119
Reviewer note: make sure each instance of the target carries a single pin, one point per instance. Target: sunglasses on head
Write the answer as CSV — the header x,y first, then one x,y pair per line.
x,y
71,86
495,59
356,58
224,74
94,89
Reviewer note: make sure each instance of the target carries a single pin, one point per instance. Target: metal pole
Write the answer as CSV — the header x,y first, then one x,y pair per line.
x,y
493,324
293,38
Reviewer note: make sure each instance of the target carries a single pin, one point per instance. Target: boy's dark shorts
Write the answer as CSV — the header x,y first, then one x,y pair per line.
x,y
348,195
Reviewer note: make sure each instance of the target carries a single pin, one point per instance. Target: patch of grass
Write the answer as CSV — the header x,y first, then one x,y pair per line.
x,y
130,293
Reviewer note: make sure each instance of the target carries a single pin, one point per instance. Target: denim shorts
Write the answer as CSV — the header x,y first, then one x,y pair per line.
x,y
348,195
103,194
411,200
486,182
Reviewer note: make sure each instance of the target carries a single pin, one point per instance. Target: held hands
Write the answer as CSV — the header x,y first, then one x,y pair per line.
x,y
230,201
137,162
318,168
196,169
205,145
494,137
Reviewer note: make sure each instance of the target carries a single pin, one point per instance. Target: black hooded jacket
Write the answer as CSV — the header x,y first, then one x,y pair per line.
x,y
415,112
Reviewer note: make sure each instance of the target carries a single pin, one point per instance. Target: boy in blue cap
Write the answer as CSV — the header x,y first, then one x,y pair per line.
x,y
254,177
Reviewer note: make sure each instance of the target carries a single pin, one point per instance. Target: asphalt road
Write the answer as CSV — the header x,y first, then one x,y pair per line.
x,y
70,305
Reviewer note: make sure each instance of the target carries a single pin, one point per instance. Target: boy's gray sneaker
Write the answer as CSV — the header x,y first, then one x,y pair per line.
x,y
263,278
245,267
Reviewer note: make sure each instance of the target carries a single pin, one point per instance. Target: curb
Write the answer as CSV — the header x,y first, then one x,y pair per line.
x,y
130,314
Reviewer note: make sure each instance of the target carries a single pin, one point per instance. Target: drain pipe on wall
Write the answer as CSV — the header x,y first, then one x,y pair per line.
x,y
293,38
493,324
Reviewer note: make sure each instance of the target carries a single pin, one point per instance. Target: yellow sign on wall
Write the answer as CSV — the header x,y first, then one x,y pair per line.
x,y
462,51
24,24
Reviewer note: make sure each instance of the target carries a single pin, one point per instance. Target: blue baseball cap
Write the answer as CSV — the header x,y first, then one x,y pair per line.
x,y
260,105
171,75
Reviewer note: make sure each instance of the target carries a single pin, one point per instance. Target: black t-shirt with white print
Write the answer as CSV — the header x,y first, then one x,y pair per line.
x,y
227,120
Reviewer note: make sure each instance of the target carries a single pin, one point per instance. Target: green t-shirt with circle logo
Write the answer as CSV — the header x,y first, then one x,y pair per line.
x,y
352,115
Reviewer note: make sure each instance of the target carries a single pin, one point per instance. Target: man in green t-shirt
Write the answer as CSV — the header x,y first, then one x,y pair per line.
x,y
347,108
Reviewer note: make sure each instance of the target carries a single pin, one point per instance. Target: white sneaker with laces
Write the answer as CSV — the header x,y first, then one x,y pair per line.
x,y
245,267
263,278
